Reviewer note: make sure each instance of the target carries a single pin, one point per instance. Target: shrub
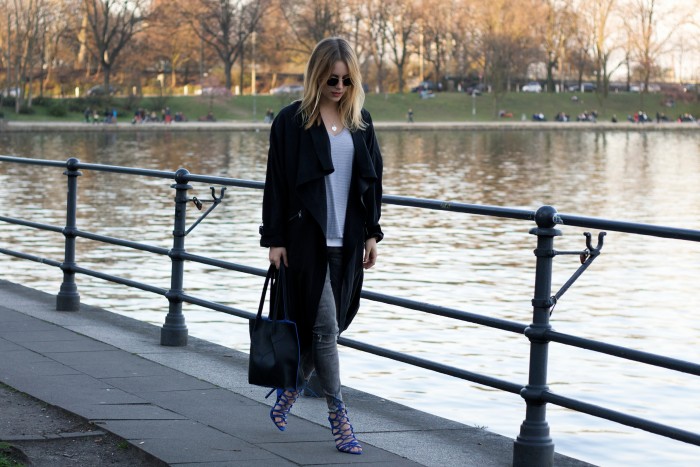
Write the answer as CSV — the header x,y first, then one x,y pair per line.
x,y
77,104
26,110
159,102
132,102
57,109
97,102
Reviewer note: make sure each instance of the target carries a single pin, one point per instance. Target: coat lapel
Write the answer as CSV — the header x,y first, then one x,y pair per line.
x,y
314,164
363,163
314,156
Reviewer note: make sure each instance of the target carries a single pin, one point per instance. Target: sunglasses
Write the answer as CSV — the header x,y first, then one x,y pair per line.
x,y
333,81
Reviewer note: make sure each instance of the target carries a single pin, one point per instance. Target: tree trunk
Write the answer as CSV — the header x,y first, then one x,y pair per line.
x,y
242,69
399,70
550,75
228,66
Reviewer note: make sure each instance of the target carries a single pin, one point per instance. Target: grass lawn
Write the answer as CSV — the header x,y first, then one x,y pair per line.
x,y
462,107
390,107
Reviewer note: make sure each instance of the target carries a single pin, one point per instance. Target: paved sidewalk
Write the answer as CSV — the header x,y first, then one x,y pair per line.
x,y
193,406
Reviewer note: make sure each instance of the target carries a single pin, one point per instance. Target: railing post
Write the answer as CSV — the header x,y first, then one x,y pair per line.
x,y
68,298
174,331
534,446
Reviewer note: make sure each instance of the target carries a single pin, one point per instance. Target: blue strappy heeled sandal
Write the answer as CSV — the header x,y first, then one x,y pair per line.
x,y
284,403
342,430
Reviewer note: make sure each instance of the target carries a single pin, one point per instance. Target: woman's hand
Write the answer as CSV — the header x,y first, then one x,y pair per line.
x,y
370,253
277,254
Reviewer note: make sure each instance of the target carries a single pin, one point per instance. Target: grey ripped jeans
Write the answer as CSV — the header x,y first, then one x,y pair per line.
x,y
323,354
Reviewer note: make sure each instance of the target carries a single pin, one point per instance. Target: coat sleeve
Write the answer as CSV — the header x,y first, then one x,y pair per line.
x,y
373,196
273,228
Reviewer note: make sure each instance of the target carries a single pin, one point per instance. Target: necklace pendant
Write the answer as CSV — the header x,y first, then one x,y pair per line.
x,y
334,128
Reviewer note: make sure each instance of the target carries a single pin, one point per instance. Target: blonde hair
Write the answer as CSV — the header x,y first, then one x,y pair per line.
x,y
318,70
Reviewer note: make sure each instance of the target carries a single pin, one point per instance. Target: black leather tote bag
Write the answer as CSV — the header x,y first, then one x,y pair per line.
x,y
274,341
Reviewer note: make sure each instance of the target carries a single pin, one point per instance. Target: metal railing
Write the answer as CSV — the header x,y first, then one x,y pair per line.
x,y
533,445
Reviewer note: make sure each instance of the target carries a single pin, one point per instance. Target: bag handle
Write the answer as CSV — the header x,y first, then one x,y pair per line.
x,y
270,275
278,282
280,285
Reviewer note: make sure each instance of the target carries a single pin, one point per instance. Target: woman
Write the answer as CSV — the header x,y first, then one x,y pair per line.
x,y
321,209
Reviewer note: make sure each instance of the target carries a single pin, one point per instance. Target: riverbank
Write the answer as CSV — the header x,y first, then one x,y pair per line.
x,y
33,126
443,107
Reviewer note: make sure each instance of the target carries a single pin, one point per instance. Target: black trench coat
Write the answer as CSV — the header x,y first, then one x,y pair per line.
x,y
294,213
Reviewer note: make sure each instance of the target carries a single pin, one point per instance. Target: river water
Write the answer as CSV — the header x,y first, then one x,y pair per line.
x,y
639,293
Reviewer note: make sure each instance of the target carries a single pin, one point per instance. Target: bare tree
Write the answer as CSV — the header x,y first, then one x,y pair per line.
x,y
579,52
693,46
27,15
466,54
277,63
402,23
646,43
56,56
5,43
507,44
437,33
172,42
225,26
377,30
111,25
557,28
600,14
311,21
501,41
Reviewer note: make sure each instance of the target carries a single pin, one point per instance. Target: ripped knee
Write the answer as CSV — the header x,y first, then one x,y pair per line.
x,y
325,338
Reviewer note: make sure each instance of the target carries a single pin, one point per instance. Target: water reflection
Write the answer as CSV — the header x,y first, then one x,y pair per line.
x,y
639,293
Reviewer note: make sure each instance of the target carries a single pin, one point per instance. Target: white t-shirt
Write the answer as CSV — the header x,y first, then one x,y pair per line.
x,y
338,186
